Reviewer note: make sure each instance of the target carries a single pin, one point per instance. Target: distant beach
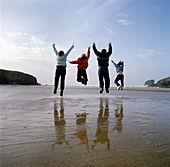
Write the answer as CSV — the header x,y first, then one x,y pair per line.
x,y
84,128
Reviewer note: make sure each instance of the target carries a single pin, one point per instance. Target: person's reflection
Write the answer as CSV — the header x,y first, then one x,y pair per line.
x,y
102,125
81,132
59,122
119,117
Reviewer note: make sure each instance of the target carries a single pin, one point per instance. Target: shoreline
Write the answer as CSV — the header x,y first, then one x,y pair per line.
x,y
126,88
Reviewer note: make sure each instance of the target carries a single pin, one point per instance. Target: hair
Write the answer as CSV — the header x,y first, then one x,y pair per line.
x,y
103,51
120,63
61,53
83,56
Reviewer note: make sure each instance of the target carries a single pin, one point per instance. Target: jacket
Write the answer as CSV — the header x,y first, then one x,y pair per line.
x,y
103,58
118,67
82,63
61,60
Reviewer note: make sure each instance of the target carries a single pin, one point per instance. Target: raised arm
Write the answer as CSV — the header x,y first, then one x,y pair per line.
x,y
110,48
88,53
95,49
55,50
114,63
67,53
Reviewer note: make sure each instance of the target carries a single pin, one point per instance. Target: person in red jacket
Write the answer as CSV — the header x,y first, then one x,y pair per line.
x,y
81,67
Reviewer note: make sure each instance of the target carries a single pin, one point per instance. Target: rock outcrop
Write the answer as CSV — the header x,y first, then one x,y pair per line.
x,y
16,78
150,83
163,83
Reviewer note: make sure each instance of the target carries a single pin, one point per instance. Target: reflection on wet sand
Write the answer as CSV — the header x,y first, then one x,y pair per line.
x,y
59,122
81,131
102,124
118,117
37,128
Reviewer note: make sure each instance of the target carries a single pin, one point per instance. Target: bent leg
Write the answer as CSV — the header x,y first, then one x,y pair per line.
x,y
78,75
116,81
122,80
84,77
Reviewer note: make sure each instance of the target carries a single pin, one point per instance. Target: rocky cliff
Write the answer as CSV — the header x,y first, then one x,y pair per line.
x,y
150,83
17,78
163,83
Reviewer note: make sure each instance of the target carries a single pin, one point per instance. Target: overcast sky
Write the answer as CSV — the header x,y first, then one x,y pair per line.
x,y
139,31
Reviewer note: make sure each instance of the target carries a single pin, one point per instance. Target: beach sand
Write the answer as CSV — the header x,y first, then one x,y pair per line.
x,y
129,128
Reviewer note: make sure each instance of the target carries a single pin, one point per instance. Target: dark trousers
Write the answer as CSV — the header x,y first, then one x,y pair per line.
x,y
120,77
82,76
60,74
103,74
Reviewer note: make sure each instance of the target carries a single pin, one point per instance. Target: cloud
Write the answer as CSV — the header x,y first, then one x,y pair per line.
x,y
123,19
23,46
146,53
121,14
109,30
124,22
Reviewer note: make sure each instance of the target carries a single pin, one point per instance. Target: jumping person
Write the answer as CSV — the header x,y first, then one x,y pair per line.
x,y
61,59
81,67
120,77
103,63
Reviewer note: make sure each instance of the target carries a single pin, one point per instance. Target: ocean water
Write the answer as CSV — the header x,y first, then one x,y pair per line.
x,y
83,128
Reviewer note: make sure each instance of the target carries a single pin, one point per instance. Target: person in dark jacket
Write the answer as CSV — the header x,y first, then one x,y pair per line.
x,y
103,63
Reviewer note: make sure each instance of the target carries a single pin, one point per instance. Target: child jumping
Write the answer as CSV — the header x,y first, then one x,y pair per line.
x,y
119,69
82,66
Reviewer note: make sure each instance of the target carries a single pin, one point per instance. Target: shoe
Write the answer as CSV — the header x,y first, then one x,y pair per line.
x,y
55,90
61,93
101,91
119,87
107,90
83,81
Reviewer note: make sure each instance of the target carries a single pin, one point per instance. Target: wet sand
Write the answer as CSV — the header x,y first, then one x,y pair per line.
x,y
129,128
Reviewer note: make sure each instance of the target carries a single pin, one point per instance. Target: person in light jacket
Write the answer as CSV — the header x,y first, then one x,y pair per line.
x,y
60,73
120,77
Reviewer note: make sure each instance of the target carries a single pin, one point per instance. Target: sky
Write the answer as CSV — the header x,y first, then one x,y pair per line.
x,y
139,31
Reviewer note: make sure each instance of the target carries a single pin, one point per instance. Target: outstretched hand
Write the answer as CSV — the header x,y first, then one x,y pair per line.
x,y
94,44
110,44
53,45
89,48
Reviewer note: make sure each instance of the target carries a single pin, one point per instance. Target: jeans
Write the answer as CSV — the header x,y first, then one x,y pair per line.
x,y
82,75
60,74
120,77
103,74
